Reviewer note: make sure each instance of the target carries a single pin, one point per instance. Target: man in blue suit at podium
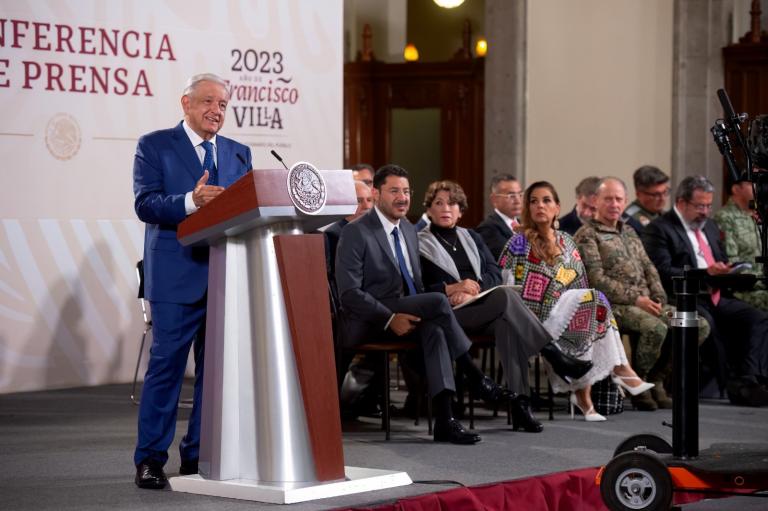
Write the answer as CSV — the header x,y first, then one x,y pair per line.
x,y
177,171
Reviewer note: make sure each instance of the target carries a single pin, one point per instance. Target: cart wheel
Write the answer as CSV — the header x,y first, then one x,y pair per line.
x,y
650,441
636,480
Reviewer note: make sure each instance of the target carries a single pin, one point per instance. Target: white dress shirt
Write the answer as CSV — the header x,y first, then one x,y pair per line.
x,y
507,220
197,141
388,228
701,263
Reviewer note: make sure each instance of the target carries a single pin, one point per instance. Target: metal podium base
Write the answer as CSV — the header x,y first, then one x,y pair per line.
x,y
357,480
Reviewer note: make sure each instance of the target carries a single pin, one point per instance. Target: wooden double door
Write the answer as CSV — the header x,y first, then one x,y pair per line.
x,y
426,117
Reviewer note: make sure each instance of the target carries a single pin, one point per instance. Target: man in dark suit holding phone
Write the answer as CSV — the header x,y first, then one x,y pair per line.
x,y
382,297
685,236
177,171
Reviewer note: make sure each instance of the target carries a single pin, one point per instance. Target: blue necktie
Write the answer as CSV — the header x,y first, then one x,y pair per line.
x,y
401,262
208,163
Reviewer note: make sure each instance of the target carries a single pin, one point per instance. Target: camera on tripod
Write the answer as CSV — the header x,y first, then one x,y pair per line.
x,y
750,163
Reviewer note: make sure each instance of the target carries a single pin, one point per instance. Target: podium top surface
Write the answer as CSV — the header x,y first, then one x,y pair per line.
x,y
262,197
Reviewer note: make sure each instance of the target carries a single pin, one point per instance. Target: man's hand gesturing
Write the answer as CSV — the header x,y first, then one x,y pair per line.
x,y
203,193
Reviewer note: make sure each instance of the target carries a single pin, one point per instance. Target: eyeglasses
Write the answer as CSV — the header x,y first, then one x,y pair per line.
x,y
656,195
700,207
510,195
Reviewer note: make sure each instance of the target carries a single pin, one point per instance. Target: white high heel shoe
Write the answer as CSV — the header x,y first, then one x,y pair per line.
x,y
639,389
590,415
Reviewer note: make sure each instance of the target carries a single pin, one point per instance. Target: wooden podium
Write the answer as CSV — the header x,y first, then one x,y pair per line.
x,y
270,428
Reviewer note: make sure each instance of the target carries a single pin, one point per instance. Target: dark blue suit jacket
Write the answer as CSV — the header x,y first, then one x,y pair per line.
x,y
165,168
495,233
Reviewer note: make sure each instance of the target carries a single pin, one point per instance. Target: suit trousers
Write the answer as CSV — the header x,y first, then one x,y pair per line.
x,y
441,337
518,333
740,333
175,328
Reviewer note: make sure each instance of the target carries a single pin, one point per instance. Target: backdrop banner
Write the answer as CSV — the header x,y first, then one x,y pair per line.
x,y
83,80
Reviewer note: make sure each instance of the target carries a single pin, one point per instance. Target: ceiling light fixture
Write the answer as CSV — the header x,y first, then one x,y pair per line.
x,y
449,4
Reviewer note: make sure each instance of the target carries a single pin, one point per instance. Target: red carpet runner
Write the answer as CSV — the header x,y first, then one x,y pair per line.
x,y
574,490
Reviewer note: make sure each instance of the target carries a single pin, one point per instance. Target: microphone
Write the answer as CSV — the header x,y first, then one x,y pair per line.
x,y
725,102
720,134
733,124
277,157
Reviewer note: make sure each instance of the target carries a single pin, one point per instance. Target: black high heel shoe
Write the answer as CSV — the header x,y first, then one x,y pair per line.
x,y
565,366
522,416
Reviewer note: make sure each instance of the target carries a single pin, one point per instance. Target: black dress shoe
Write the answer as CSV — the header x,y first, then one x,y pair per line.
x,y
150,475
522,416
565,366
452,431
746,393
188,467
487,390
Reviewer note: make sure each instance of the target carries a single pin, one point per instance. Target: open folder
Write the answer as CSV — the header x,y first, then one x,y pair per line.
x,y
480,295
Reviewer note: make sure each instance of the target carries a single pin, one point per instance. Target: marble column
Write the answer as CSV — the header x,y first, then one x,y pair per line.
x,y
505,90
701,30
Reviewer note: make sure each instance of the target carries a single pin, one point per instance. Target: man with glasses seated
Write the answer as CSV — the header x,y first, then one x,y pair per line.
x,y
738,343
507,201
652,190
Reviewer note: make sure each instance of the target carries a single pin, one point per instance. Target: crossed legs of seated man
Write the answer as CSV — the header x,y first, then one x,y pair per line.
x,y
428,319
740,333
175,328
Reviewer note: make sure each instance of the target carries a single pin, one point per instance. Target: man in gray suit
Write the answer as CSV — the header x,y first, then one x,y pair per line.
x,y
382,297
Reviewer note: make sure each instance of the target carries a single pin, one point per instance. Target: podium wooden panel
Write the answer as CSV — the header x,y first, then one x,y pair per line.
x,y
305,289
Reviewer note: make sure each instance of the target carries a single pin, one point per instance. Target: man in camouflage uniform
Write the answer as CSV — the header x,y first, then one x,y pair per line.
x,y
742,239
618,265
652,190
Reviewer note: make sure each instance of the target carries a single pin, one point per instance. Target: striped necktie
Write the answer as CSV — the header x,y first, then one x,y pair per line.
x,y
209,164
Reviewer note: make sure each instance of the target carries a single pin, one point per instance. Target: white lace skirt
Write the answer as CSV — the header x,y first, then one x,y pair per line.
x,y
605,353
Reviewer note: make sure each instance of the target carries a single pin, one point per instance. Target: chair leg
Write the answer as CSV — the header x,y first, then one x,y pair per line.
x,y
429,414
471,401
459,380
551,401
537,377
385,412
138,363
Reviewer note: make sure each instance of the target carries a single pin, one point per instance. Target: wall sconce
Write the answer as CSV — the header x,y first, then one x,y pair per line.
x,y
410,53
449,4
481,47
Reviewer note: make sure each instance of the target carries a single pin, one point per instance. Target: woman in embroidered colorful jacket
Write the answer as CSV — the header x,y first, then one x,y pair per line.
x,y
456,261
547,264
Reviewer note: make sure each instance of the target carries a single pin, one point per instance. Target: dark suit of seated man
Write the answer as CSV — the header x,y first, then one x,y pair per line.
x,y
685,236
382,297
507,200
